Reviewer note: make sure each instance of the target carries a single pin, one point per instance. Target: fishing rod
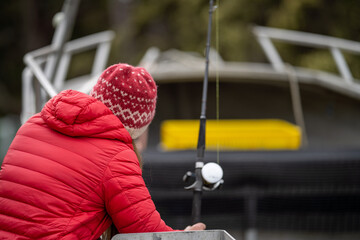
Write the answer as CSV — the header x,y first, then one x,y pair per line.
x,y
207,176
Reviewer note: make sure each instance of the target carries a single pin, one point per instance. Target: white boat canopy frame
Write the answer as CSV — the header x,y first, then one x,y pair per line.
x,y
31,93
49,66
174,65
335,45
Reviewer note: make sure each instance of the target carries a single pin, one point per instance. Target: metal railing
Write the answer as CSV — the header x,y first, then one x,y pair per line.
x,y
35,61
346,83
49,65
336,46
181,235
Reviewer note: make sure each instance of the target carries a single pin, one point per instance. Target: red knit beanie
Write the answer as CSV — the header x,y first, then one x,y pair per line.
x,y
130,93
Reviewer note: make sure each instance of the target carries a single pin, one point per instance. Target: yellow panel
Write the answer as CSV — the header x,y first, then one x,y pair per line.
x,y
267,134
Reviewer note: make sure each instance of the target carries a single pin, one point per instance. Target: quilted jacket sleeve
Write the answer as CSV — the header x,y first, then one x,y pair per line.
x,y
128,200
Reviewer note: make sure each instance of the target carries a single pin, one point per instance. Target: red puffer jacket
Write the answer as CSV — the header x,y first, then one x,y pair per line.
x,y
70,172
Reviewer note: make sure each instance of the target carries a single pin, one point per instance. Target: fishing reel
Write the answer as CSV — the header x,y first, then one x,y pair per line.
x,y
207,177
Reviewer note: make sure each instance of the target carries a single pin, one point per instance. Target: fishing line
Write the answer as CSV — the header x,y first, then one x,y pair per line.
x,y
217,76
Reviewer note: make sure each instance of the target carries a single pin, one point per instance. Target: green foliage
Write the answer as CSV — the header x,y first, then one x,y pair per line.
x,y
181,24
171,24
320,60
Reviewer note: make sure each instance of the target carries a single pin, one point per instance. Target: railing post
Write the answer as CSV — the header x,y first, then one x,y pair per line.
x,y
296,103
62,71
341,64
28,97
271,53
42,79
61,36
102,53
250,206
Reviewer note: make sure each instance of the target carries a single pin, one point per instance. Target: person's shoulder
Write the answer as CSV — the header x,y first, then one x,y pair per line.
x,y
126,155
125,163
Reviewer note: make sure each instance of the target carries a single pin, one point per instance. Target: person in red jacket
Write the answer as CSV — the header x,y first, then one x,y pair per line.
x,y
71,170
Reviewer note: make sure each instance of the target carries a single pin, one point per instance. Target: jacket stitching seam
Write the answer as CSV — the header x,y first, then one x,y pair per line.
x,y
83,108
68,150
78,207
35,189
125,195
99,185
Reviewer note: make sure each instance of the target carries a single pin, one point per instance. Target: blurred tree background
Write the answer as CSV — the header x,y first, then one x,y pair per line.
x,y
181,24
